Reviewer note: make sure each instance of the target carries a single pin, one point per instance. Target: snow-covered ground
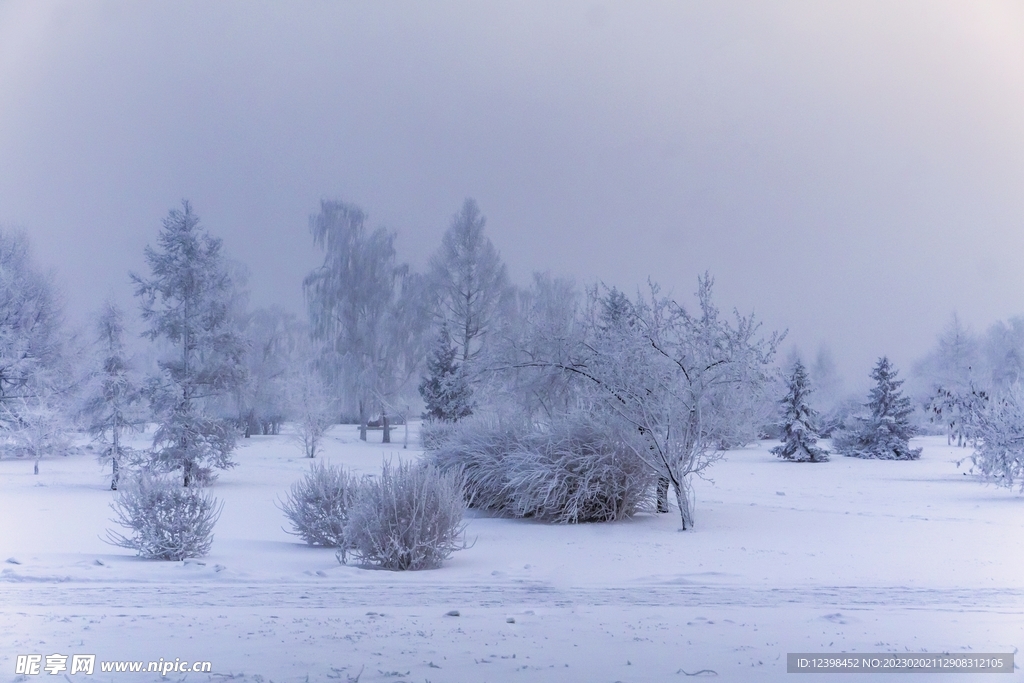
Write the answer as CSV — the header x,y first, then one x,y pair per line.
x,y
848,555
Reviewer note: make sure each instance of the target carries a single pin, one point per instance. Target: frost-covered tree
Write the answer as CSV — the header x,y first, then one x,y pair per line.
x,y
999,456
1003,352
663,372
113,406
446,393
363,310
666,371
36,426
885,433
471,281
959,409
34,376
799,434
546,323
273,339
312,405
187,302
950,381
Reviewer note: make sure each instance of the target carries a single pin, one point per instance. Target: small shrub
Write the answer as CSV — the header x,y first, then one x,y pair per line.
x,y
167,521
433,433
318,505
408,518
575,470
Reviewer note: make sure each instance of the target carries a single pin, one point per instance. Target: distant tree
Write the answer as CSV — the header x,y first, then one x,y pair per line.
x,y
187,302
547,322
113,402
885,433
444,389
362,310
34,372
959,410
36,426
312,405
1003,352
471,281
273,338
799,434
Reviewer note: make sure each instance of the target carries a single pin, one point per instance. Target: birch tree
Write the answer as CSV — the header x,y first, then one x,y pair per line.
x,y
363,310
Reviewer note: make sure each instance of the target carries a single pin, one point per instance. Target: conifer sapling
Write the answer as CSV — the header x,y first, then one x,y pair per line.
x,y
800,437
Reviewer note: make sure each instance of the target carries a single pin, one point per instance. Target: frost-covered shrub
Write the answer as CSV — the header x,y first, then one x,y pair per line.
x,y
318,505
433,433
167,521
408,518
575,470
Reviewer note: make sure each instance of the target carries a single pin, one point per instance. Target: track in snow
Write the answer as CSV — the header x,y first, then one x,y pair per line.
x,y
325,595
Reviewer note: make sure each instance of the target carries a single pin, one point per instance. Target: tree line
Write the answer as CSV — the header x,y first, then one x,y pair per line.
x,y
674,385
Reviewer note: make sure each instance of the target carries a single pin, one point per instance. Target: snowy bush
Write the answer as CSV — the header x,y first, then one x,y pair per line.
x,y
434,433
575,470
167,521
408,518
318,505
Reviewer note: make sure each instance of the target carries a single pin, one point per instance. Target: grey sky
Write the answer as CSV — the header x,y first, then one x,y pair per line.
x,y
851,171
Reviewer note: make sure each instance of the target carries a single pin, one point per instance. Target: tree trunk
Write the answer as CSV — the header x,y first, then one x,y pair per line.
x,y
187,473
684,496
387,427
362,421
663,485
115,453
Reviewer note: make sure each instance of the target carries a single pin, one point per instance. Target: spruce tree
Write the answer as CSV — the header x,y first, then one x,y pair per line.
x,y
444,388
885,434
113,404
186,302
800,437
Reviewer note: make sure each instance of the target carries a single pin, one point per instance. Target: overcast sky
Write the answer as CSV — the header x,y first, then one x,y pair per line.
x,y
853,172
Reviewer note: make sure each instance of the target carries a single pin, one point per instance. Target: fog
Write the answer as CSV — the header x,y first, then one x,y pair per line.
x,y
851,172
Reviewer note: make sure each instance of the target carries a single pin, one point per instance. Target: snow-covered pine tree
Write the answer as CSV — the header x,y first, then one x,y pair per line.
x,y
885,433
799,434
187,302
113,404
444,388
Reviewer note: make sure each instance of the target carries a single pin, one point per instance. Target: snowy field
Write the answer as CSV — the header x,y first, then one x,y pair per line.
x,y
848,555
